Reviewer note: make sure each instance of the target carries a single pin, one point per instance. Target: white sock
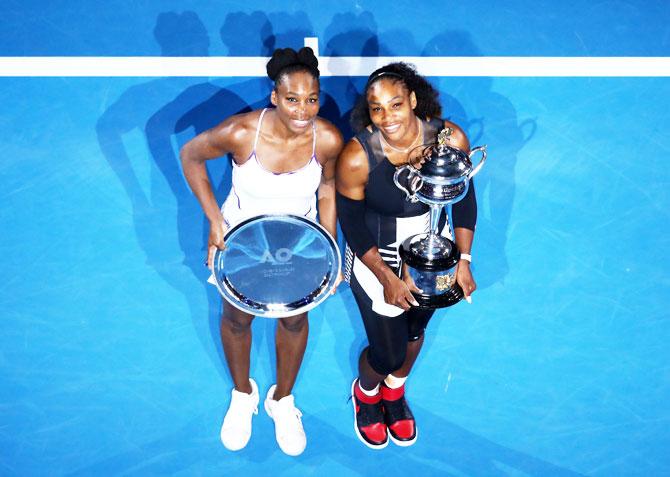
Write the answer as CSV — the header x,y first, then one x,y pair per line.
x,y
372,392
394,382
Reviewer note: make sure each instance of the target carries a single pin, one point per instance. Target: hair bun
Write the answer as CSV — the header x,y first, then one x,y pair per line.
x,y
307,58
284,57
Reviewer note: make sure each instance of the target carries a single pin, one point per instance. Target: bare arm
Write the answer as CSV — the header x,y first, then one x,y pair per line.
x,y
210,144
326,193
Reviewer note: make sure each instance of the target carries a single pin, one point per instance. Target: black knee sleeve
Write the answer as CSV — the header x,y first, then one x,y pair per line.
x,y
386,363
417,320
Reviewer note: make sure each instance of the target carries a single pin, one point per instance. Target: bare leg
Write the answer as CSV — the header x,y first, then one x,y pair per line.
x,y
367,376
290,343
236,340
413,349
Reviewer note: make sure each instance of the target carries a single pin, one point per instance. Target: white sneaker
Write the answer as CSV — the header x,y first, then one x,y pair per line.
x,y
236,428
288,426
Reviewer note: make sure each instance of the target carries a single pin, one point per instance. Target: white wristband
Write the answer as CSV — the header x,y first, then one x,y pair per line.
x,y
467,257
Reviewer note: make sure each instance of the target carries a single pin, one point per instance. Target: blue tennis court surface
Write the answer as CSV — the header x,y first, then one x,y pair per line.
x,y
110,360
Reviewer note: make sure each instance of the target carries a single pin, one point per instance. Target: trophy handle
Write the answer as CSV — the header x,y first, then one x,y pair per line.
x,y
474,150
413,184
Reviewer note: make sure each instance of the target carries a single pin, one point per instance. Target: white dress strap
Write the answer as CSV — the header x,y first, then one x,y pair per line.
x,y
258,128
314,137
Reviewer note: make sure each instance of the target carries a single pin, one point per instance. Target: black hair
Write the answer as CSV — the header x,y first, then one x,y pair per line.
x,y
427,103
286,61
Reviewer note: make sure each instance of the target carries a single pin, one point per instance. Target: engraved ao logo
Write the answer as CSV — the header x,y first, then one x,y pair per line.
x,y
282,256
280,263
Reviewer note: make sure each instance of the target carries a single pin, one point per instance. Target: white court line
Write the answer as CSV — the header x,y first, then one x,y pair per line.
x,y
248,66
254,66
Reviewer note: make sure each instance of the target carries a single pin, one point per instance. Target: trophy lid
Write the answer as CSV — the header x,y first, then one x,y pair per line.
x,y
440,160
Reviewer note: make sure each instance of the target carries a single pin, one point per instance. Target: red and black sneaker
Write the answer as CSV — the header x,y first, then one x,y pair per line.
x,y
398,416
369,418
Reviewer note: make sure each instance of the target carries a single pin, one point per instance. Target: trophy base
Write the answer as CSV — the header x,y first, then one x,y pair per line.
x,y
430,261
449,298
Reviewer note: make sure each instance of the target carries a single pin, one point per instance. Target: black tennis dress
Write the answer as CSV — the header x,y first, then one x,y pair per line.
x,y
391,218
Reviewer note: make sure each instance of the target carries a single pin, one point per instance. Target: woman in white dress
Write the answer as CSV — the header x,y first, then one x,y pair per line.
x,y
283,159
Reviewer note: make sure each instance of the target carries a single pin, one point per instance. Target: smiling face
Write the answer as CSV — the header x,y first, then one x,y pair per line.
x,y
391,108
297,100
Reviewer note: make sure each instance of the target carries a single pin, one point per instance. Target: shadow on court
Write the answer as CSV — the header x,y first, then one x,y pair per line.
x,y
442,448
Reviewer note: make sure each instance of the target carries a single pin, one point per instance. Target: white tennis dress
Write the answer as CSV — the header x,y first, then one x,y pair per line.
x,y
257,191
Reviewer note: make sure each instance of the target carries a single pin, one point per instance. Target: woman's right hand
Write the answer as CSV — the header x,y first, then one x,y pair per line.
x,y
217,230
397,292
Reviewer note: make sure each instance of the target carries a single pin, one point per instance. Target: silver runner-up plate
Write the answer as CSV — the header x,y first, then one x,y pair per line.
x,y
276,266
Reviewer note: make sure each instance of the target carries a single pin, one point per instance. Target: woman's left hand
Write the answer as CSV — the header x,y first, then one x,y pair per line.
x,y
465,280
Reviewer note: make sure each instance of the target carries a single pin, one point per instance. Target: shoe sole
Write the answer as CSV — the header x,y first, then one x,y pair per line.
x,y
235,449
358,433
